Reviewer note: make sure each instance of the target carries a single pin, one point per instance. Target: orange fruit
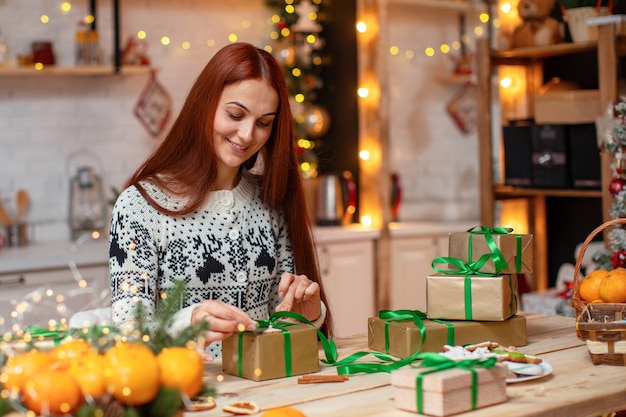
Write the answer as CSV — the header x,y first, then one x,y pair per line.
x,y
88,371
283,412
132,373
613,287
69,351
589,286
181,368
52,391
20,368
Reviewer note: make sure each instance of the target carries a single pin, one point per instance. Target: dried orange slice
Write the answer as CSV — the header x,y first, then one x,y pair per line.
x,y
241,408
201,404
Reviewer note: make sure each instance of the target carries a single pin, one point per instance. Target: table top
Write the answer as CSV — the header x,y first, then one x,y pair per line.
x,y
576,387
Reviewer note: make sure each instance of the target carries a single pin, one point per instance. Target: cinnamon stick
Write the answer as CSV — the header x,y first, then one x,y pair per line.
x,y
320,379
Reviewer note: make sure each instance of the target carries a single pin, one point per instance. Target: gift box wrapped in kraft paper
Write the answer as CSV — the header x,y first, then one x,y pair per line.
x,y
441,389
514,252
271,353
471,297
404,338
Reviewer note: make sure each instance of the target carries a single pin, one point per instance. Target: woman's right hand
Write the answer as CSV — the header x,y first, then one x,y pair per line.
x,y
223,319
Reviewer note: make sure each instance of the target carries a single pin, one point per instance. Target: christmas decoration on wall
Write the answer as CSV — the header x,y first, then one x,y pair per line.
x,y
298,48
611,128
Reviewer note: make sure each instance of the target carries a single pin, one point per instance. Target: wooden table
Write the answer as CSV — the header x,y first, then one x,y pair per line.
x,y
576,387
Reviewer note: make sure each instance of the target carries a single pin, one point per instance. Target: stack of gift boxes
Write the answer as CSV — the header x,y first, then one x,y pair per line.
x,y
471,298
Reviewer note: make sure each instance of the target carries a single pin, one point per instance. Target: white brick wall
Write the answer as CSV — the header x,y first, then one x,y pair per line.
x,y
44,120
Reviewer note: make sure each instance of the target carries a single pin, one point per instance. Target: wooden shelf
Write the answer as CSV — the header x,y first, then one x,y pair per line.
x,y
453,5
73,71
541,52
507,191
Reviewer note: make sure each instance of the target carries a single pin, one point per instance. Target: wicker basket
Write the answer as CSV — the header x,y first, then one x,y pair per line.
x,y
601,325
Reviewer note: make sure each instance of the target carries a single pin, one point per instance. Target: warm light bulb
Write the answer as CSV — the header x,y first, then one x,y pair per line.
x,y
366,221
186,45
38,66
444,48
506,7
66,6
233,37
361,27
506,82
165,40
363,92
429,51
44,18
393,50
141,34
364,155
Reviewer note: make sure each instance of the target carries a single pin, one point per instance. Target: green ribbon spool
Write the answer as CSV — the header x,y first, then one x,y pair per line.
x,y
439,363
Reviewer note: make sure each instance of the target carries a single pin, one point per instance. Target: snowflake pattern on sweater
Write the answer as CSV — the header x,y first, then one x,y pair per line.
x,y
232,249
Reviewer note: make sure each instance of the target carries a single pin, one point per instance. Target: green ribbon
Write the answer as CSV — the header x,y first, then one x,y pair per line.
x,y
54,333
439,363
499,261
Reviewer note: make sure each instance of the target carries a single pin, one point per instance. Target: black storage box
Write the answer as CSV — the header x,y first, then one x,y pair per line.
x,y
584,156
517,154
549,159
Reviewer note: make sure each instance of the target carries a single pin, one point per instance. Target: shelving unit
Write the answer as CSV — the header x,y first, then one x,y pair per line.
x,y
609,47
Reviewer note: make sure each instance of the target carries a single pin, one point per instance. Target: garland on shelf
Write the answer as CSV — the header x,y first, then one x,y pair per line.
x,y
298,48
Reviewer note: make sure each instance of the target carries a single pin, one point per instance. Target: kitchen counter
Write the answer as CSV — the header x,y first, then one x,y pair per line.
x,y
428,228
56,255
53,255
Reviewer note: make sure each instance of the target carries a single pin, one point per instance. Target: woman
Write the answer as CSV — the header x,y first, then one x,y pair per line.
x,y
196,211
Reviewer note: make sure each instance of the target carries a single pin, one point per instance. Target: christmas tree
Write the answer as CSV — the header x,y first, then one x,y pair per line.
x,y
298,47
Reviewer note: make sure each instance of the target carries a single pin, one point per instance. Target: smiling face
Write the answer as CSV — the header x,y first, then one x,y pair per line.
x,y
243,123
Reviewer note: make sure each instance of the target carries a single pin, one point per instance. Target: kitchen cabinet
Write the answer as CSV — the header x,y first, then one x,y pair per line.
x,y
347,266
608,47
413,248
35,297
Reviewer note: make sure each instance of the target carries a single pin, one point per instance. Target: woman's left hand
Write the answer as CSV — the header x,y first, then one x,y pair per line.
x,y
300,295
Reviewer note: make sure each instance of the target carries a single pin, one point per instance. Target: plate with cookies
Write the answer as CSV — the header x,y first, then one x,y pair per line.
x,y
522,366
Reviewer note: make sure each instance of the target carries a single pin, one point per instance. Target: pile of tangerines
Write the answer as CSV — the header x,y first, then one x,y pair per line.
x,y
602,286
61,380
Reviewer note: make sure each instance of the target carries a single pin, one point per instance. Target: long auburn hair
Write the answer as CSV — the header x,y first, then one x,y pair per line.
x,y
185,163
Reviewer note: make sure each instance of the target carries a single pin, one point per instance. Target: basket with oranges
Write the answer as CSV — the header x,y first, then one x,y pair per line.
x,y
599,299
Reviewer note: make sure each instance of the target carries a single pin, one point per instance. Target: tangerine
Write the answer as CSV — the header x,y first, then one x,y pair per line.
x,y
283,412
132,373
589,288
613,287
88,371
181,368
20,368
69,351
52,391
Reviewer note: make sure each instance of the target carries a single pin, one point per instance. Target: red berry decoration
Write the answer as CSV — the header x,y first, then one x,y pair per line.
x,y
617,185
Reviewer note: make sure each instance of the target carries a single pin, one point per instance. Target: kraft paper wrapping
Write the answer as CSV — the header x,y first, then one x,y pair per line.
x,y
449,392
263,353
492,297
405,338
459,247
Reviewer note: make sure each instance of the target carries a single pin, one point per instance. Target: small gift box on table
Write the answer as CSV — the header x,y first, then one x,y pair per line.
x,y
272,353
438,388
471,297
514,252
405,338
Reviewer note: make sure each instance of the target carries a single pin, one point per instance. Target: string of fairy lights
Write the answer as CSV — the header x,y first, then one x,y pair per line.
x,y
285,15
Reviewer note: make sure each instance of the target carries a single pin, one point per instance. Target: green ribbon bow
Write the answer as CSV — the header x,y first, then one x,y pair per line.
x,y
499,261
439,363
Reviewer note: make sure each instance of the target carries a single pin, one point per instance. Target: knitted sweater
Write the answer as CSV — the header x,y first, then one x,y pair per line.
x,y
231,249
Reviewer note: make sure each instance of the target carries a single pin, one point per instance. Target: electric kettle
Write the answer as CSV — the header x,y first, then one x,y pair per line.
x,y
335,200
